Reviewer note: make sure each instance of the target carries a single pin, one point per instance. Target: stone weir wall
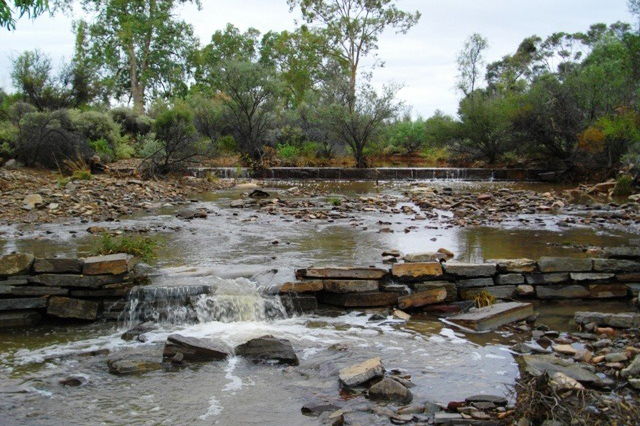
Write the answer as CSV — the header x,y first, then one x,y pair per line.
x,y
417,285
337,173
80,289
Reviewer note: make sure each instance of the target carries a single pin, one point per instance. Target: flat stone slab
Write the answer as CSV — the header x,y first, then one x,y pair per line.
x,y
562,292
607,291
296,304
499,292
351,286
423,298
509,279
19,319
475,282
194,349
268,348
424,257
591,276
302,287
634,289
452,290
343,273
622,252
633,277
564,264
21,304
36,291
417,271
57,266
515,265
15,264
361,373
471,269
537,365
72,280
113,264
359,300
64,307
552,278
622,320
492,317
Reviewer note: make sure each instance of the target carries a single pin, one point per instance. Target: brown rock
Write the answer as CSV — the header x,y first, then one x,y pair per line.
x,y
423,298
343,273
417,271
358,300
350,286
64,307
302,287
15,264
114,264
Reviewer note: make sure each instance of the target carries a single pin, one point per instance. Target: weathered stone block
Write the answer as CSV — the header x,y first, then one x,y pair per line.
x,y
623,320
499,292
607,291
537,365
194,349
423,298
494,316
343,273
591,276
452,290
21,304
69,280
124,367
64,307
268,348
471,269
57,266
358,300
562,292
116,292
475,282
622,252
361,373
634,289
302,287
297,304
564,264
553,278
398,288
113,264
515,265
424,257
19,319
38,291
628,278
509,279
15,264
417,271
615,265
526,290
351,286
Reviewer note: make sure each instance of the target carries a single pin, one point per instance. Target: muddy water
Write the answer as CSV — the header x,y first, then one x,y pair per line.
x,y
240,251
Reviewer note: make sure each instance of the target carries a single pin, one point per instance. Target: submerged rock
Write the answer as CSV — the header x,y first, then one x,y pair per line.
x,y
193,349
268,348
389,390
361,373
122,367
137,331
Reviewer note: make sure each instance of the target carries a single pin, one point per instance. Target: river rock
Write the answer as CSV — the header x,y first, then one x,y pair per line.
x,y
622,252
564,264
388,390
32,201
509,279
475,282
268,348
633,370
615,265
316,408
623,320
491,317
57,266
137,331
361,373
514,265
22,304
343,273
499,292
112,264
424,257
193,349
64,307
71,280
35,291
450,288
525,290
591,276
350,286
15,264
257,193
297,304
500,401
553,278
537,365
123,367
471,269
302,287
417,271
562,292
607,291
423,298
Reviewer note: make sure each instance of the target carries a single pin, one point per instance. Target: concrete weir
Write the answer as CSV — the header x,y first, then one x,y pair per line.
x,y
383,173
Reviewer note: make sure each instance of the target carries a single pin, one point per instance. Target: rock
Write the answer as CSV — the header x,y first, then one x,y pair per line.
x,y
22,304
537,365
401,315
471,269
32,201
71,280
343,273
388,390
565,349
15,264
302,287
359,300
562,383
448,253
64,307
615,265
423,298
553,278
603,188
564,264
633,370
448,419
257,193
194,349
350,286
616,357
424,257
362,373
297,304
623,320
113,264
497,400
475,282
591,276
499,292
417,271
509,279
123,367
193,214
137,331
450,288
268,348
622,252
514,265
57,266
562,292
19,319
529,348
494,316
525,290
607,291
316,408
29,291
74,381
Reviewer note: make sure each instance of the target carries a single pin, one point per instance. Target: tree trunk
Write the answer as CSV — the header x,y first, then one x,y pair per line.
x,y
137,92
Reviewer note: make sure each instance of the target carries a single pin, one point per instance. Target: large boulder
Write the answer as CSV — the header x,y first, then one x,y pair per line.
x,y
15,264
193,349
268,348
388,390
361,373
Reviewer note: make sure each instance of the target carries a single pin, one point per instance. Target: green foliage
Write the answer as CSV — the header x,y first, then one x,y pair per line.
x,y
98,127
81,175
624,186
227,144
407,135
335,201
140,246
131,122
101,147
30,8
124,151
287,152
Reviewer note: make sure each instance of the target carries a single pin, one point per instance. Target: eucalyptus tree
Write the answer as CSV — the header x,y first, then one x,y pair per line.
x,y
141,48
11,11
470,63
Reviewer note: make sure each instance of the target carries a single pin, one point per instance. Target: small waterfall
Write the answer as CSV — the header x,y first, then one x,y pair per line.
x,y
191,304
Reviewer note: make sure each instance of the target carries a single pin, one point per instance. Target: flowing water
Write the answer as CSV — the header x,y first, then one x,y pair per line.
x,y
212,281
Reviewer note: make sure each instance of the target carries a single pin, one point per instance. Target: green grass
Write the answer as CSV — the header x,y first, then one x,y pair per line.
x,y
81,175
142,247
335,201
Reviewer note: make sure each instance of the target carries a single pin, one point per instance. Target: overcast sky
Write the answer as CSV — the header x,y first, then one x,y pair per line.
x,y
423,60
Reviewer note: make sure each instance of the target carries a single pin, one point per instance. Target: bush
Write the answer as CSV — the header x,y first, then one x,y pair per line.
x,y
131,122
96,125
124,151
143,247
102,148
624,186
288,153
227,144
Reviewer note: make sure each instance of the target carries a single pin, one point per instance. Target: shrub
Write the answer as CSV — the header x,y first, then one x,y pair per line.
x,y
81,175
96,125
143,247
227,144
288,153
624,186
131,122
124,151
102,148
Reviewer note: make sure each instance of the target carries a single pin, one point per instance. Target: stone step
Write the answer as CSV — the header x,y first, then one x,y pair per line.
x,y
112,264
471,270
57,266
417,271
562,292
492,317
343,273
564,264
